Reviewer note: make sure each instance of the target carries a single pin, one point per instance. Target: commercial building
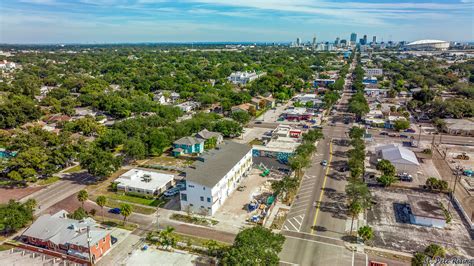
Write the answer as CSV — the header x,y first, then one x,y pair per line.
x,y
323,82
282,144
428,45
426,212
373,72
403,159
214,176
310,97
144,182
353,38
58,233
242,78
463,127
298,114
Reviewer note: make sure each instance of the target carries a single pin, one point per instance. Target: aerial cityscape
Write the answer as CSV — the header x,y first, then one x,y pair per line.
x,y
209,132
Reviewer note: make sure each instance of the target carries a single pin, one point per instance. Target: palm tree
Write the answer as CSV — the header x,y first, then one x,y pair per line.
x,y
101,201
297,163
167,239
125,210
434,251
82,197
354,209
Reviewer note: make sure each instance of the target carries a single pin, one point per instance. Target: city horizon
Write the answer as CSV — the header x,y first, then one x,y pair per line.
x,y
118,21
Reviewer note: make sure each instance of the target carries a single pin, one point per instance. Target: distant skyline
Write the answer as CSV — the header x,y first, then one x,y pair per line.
x,y
117,21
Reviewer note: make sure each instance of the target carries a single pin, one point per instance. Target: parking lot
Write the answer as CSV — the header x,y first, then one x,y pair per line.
x,y
393,231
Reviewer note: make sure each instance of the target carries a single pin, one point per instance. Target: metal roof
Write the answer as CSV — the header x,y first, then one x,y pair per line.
x,y
215,164
62,231
396,154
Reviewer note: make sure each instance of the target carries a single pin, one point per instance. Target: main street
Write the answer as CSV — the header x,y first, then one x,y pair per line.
x,y
315,228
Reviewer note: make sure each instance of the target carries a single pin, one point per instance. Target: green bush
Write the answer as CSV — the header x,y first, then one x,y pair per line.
x,y
139,195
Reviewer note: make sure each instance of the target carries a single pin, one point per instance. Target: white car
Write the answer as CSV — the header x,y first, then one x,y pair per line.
x,y
171,192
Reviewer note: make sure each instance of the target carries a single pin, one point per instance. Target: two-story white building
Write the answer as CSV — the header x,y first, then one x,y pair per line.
x,y
211,179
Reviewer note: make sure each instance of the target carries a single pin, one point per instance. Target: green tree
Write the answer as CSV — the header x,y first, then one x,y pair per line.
x,y
78,214
241,116
82,197
366,233
285,186
401,125
356,133
387,180
135,149
254,246
14,216
297,163
210,143
386,167
100,163
213,248
125,210
101,201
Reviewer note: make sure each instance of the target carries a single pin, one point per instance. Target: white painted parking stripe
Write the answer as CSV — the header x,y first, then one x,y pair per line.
x,y
292,225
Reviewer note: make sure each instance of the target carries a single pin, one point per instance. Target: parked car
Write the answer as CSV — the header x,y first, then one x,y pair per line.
x,y
115,210
181,186
410,130
405,177
258,122
171,192
403,136
113,240
324,163
383,133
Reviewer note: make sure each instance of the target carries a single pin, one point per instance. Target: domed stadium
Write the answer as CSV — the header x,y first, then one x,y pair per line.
x,y
428,45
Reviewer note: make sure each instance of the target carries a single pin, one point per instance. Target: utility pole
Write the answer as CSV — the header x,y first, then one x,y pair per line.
x,y
89,245
456,178
419,136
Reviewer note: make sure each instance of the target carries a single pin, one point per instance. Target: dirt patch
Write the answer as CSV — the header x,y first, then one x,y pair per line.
x,y
7,194
393,231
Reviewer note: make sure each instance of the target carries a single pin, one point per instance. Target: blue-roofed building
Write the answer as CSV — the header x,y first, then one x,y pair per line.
x,y
188,145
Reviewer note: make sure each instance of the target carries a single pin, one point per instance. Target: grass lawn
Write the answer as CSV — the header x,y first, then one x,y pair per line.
x,y
135,208
193,219
74,169
197,241
256,142
154,202
48,181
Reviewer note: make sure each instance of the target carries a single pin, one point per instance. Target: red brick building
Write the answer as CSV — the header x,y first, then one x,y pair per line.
x,y
75,238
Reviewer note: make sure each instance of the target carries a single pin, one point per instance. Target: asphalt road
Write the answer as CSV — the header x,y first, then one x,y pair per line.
x,y
316,223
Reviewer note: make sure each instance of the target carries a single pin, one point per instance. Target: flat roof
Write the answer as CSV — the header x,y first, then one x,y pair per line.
x,y
213,165
144,179
426,207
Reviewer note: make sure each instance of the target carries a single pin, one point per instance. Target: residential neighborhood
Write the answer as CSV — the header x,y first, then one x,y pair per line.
x,y
236,155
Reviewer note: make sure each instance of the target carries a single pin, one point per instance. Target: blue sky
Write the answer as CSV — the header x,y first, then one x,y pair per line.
x,y
111,21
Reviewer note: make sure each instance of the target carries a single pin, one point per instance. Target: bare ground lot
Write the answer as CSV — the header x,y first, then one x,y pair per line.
x,y
233,214
392,233
7,194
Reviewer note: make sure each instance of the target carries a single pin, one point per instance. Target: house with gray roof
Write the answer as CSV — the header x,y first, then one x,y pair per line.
x,y
214,176
206,135
188,145
59,233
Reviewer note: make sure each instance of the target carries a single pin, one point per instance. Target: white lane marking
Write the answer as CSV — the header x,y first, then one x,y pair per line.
x,y
289,221
315,241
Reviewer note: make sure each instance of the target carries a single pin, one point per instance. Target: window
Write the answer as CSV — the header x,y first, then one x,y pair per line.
x,y
191,205
190,186
184,197
202,198
208,199
203,188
